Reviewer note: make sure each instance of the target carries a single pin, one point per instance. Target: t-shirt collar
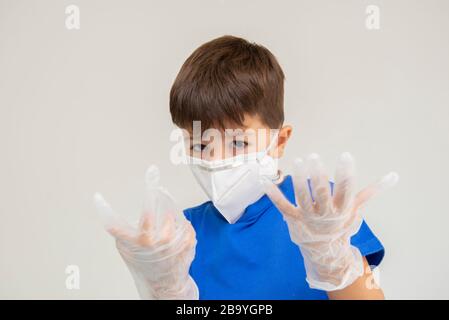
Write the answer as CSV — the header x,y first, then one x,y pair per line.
x,y
255,210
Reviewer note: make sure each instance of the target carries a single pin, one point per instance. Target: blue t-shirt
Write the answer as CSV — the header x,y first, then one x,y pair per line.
x,y
255,257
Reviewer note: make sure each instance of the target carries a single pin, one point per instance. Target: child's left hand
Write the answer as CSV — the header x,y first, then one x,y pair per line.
x,y
323,222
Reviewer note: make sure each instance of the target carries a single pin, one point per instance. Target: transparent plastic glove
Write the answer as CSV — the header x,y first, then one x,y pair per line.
x,y
160,250
323,222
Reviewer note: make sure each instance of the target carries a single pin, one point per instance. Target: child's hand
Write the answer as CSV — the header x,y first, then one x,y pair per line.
x,y
160,249
322,223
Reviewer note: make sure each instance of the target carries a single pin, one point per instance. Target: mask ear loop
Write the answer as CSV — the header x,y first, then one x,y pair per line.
x,y
274,139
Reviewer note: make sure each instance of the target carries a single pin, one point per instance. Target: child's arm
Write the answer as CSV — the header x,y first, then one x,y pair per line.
x,y
323,223
363,288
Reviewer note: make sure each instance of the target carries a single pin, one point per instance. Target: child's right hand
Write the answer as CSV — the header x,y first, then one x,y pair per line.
x,y
160,250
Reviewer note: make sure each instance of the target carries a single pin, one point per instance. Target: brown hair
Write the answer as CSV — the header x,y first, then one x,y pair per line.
x,y
223,80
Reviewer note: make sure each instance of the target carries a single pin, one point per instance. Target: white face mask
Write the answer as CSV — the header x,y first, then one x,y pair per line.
x,y
232,184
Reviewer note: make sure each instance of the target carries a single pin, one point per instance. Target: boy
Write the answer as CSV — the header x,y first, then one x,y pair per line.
x,y
263,235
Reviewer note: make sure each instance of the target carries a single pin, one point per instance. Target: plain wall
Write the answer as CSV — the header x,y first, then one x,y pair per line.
x,y
87,110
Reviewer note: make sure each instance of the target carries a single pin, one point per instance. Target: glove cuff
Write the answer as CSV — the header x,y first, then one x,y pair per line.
x,y
186,291
333,272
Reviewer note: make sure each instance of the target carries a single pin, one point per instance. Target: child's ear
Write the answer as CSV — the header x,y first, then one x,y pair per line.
x,y
283,136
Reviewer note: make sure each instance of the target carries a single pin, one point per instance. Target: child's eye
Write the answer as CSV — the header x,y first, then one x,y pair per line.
x,y
198,147
239,144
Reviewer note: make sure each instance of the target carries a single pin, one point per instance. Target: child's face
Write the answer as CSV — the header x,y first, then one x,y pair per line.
x,y
252,136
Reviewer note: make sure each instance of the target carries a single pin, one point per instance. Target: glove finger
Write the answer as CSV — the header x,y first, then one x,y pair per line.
x,y
147,231
278,198
320,184
112,222
301,186
152,177
382,184
157,202
152,236
147,221
344,181
167,231
123,235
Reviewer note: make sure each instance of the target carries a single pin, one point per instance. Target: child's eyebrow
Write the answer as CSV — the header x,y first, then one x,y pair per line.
x,y
228,132
239,132
192,138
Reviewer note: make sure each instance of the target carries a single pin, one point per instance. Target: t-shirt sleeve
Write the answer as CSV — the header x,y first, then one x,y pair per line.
x,y
369,245
187,214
